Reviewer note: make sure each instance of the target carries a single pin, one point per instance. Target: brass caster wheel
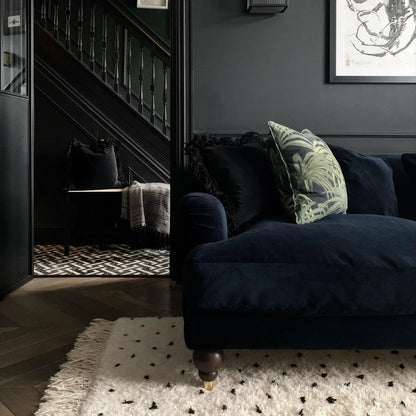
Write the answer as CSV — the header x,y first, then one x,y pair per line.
x,y
208,385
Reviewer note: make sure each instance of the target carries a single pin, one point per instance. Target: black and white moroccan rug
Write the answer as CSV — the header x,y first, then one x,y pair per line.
x,y
140,366
120,260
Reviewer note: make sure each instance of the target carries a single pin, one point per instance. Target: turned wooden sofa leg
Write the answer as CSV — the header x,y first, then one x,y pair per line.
x,y
208,362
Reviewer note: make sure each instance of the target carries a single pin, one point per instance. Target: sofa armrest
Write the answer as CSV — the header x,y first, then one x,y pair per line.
x,y
203,219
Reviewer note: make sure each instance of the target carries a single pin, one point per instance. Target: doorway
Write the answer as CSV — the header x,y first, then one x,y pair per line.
x,y
16,125
102,75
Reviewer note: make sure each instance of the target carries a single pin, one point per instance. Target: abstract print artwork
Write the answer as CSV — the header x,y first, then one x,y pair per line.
x,y
373,41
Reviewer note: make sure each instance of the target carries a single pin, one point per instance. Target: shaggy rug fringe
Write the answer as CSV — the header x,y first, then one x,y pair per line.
x,y
68,388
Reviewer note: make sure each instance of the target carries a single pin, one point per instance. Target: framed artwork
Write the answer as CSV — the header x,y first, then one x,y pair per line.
x,y
152,4
373,41
14,22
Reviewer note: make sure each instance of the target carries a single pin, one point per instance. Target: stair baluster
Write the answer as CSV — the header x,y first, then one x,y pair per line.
x,y
104,51
116,58
127,52
152,92
68,25
43,8
80,29
56,20
92,39
165,99
141,69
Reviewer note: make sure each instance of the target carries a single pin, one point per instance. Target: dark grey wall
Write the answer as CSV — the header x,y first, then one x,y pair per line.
x,y
53,135
249,69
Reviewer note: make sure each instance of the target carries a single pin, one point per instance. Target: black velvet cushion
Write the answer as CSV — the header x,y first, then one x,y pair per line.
x,y
93,166
369,180
238,173
409,163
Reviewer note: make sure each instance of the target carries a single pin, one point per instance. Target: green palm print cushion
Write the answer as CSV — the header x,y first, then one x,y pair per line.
x,y
310,181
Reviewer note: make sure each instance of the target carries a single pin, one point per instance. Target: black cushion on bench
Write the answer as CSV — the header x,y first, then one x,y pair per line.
x,y
93,167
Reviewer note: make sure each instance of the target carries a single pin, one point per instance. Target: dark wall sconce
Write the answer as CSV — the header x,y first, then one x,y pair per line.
x,y
267,6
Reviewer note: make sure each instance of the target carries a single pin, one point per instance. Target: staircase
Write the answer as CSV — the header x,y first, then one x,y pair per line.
x,y
104,70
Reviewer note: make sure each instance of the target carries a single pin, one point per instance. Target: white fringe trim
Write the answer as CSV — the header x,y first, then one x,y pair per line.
x,y
69,387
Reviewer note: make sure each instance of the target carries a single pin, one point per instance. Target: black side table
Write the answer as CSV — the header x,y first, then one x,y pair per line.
x,y
69,194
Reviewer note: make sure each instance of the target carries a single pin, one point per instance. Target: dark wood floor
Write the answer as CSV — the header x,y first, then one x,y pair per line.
x,y
40,321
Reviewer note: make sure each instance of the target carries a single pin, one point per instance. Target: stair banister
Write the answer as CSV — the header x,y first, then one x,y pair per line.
x,y
116,34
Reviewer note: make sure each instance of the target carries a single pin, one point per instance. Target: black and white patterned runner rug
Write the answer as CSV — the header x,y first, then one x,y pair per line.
x,y
140,366
119,260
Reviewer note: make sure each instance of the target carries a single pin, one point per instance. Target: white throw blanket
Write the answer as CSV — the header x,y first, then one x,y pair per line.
x,y
147,205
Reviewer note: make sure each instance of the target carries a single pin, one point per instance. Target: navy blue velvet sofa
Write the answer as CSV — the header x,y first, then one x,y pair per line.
x,y
346,281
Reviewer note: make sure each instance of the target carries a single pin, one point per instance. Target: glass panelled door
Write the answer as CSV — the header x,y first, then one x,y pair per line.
x,y
16,109
14,46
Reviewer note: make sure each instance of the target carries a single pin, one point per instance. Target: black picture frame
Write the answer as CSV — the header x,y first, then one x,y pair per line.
x,y
335,78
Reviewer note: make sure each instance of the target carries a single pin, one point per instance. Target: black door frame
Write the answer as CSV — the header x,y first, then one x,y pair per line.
x,y
181,107
31,43
181,127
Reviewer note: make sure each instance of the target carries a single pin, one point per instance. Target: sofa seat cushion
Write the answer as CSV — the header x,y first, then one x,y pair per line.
x,y
342,265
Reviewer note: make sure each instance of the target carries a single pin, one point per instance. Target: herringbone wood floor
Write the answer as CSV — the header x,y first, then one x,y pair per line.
x,y
40,321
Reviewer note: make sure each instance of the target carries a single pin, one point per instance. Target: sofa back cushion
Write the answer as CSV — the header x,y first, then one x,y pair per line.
x,y
238,173
409,163
407,200
369,182
310,181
